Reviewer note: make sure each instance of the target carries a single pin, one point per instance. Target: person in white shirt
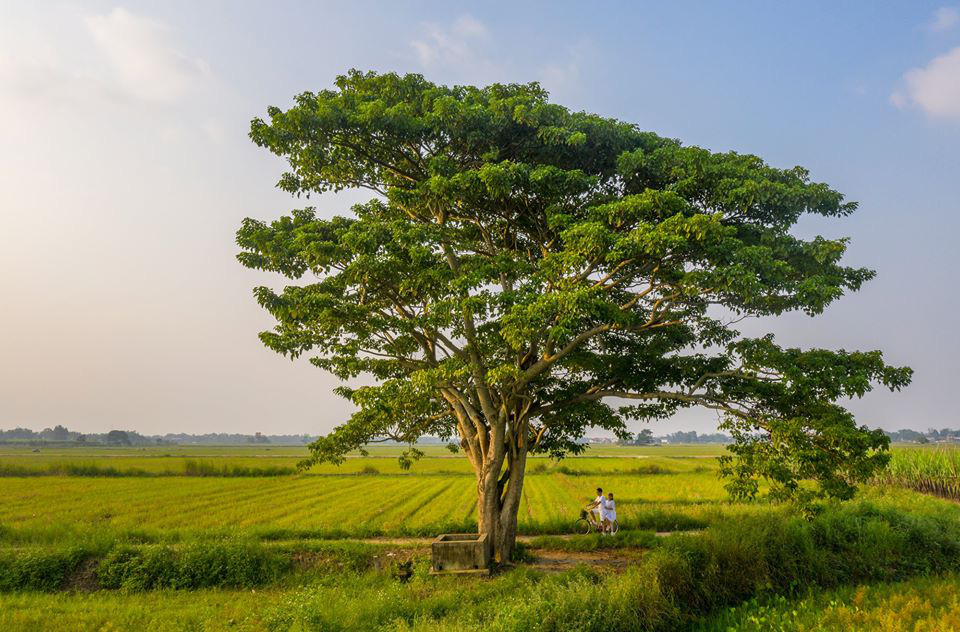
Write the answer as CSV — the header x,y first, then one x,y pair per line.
x,y
608,513
597,506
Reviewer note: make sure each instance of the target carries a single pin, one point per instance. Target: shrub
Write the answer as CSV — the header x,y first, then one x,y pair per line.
x,y
38,569
681,580
539,468
140,568
198,565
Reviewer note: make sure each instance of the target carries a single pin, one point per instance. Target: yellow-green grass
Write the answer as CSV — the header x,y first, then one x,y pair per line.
x,y
157,611
119,465
930,469
926,604
371,504
180,460
18,465
661,490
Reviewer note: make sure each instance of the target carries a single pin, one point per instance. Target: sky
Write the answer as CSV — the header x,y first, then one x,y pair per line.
x,y
125,170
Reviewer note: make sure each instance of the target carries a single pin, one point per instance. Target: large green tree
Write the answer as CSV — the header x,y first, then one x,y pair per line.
x,y
522,273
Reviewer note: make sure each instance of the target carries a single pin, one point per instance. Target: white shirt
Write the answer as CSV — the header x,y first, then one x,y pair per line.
x,y
599,508
609,510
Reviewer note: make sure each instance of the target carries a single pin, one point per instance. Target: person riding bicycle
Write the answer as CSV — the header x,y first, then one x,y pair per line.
x,y
596,507
608,513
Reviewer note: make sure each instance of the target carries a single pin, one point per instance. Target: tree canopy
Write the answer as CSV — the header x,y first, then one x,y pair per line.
x,y
522,272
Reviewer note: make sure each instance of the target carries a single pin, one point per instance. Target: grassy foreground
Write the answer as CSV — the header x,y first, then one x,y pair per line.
x,y
680,580
226,548
925,604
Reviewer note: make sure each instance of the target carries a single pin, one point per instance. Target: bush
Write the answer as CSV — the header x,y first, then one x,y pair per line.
x,y
539,468
141,568
38,569
690,576
200,565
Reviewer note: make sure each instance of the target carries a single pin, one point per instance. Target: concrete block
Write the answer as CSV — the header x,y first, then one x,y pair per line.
x,y
461,553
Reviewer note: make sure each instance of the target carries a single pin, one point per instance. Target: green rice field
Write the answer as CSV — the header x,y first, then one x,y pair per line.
x,y
217,538
656,488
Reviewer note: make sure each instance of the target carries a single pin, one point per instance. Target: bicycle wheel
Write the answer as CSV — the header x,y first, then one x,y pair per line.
x,y
582,526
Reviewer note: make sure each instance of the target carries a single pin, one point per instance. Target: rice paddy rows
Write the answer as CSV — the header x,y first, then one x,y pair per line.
x,y
147,464
375,502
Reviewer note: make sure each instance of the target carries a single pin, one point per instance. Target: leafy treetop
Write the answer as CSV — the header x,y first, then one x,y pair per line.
x,y
523,272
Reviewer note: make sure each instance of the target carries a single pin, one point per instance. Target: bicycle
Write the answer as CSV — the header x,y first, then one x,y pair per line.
x,y
585,524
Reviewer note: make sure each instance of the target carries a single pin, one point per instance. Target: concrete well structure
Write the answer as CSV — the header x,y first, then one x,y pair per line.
x,y
461,553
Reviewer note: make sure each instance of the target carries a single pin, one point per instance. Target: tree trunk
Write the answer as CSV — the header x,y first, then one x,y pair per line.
x,y
498,504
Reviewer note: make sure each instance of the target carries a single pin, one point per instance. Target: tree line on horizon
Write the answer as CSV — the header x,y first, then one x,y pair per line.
x,y
61,434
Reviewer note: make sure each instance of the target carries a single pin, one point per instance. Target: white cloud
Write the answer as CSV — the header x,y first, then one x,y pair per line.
x,y
935,88
92,61
33,68
450,46
944,18
141,58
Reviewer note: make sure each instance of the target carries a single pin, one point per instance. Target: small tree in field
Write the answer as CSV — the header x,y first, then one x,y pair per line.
x,y
522,273
644,437
118,437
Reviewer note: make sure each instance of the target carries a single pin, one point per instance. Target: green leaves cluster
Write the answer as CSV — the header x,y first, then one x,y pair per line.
x,y
525,272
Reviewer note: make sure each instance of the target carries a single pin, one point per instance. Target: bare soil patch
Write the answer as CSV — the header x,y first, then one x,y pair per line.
x,y
558,561
84,579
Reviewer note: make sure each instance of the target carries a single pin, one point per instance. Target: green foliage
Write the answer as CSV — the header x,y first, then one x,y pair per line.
x,y
926,603
683,579
200,565
932,470
525,268
70,469
45,569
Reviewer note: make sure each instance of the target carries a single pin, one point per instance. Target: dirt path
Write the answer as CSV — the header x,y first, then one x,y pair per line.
x,y
607,559
525,539
544,559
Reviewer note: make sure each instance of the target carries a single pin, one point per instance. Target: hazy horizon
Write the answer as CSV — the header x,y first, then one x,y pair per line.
x,y
125,171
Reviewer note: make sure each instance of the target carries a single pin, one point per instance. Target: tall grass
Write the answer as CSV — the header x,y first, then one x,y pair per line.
x,y
683,579
934,470
72,469
207,468
925,603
